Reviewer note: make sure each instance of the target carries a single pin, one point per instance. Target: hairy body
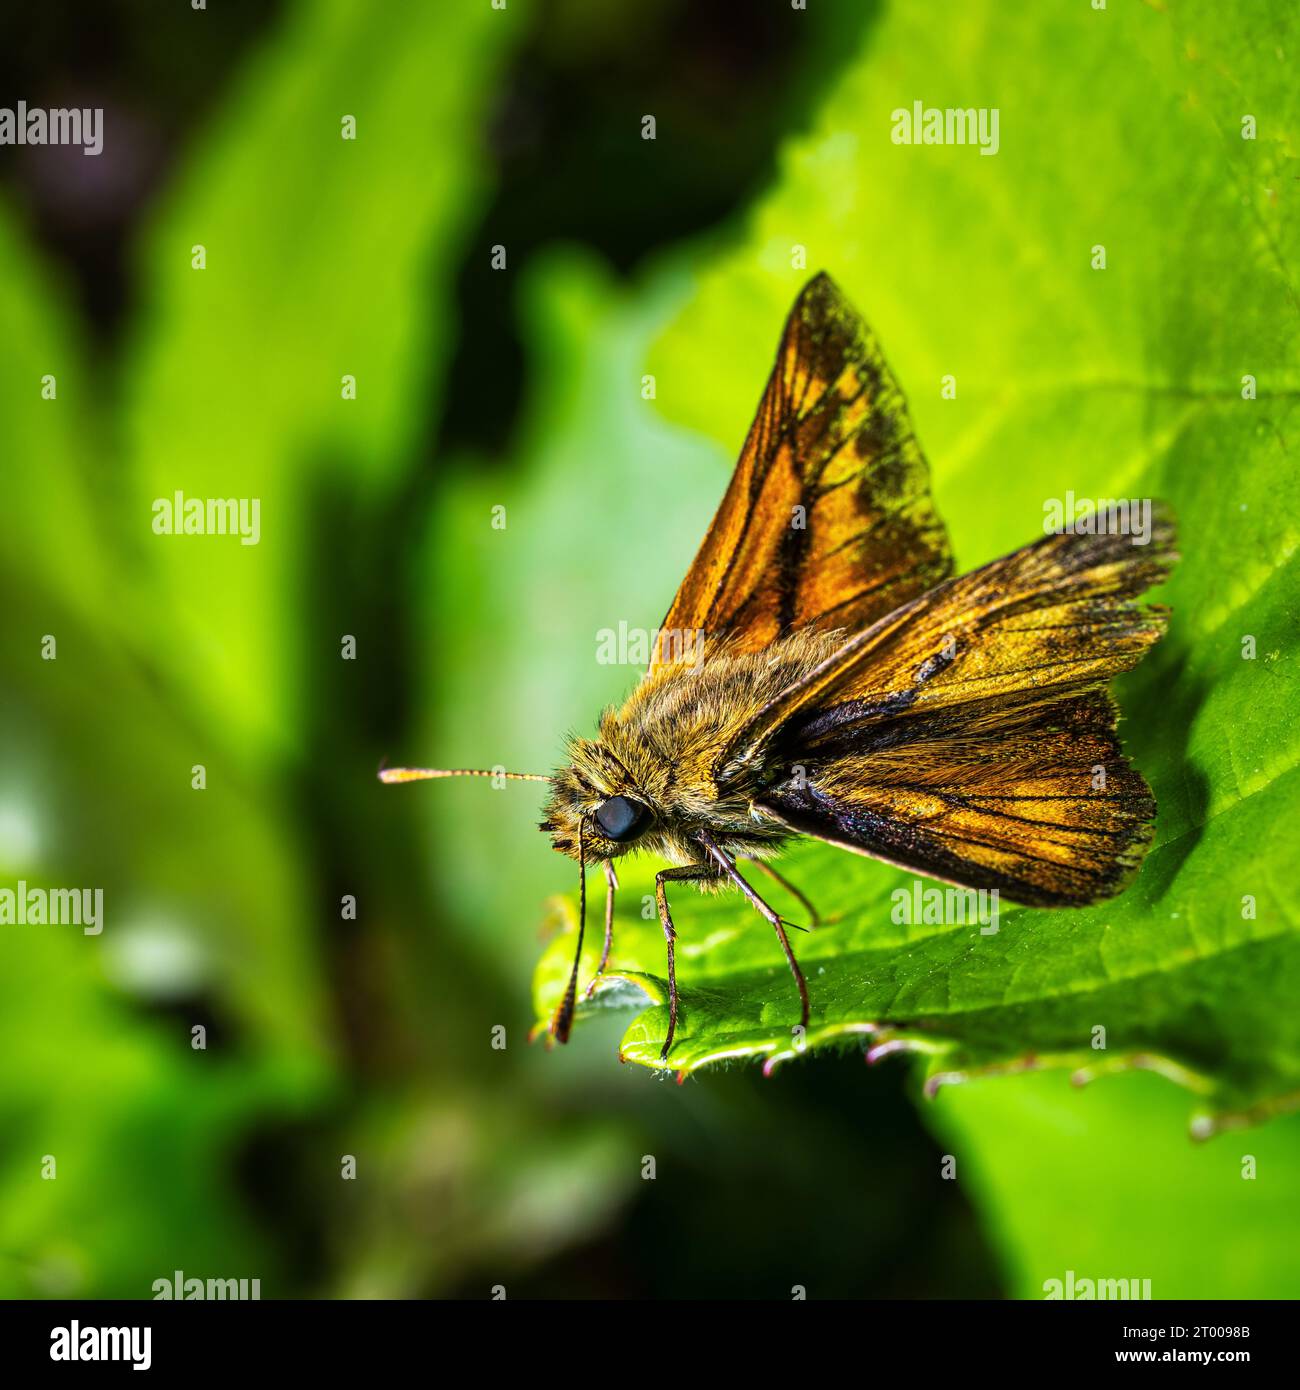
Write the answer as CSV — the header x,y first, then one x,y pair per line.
x,y
669,746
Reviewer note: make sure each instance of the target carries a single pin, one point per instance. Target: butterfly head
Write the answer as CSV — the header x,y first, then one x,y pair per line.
x,y
593,812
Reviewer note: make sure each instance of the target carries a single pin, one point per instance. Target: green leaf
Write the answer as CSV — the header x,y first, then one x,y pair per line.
x,y
1118,382
1102,1182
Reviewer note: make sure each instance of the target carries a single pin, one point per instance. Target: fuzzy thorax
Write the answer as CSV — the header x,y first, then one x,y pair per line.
x,y
666,746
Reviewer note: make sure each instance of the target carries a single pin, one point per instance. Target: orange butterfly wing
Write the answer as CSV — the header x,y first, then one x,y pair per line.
x,y
827,522
1037,801
968,735
1051,619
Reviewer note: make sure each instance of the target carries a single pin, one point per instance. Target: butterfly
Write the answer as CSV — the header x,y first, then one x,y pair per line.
x,y
822,672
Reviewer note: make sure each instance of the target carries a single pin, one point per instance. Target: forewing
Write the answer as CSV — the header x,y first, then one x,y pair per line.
x,y
1052,620
828,520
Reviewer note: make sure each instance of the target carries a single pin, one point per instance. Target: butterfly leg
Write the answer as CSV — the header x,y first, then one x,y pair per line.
x,y
724,863
611,886
685,874
814,917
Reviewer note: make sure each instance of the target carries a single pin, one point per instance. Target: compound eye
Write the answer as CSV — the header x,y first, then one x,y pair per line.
x,y
621,818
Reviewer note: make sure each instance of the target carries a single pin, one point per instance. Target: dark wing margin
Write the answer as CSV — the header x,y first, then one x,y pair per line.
x,y
828,521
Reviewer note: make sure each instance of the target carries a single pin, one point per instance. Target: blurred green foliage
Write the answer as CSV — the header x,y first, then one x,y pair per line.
x,y
174,654
1105,1182
373,1037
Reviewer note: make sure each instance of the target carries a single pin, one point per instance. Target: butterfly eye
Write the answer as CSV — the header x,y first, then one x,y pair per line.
x,y
621,818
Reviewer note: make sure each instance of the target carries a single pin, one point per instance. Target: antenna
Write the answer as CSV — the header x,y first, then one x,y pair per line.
x,y
422,774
